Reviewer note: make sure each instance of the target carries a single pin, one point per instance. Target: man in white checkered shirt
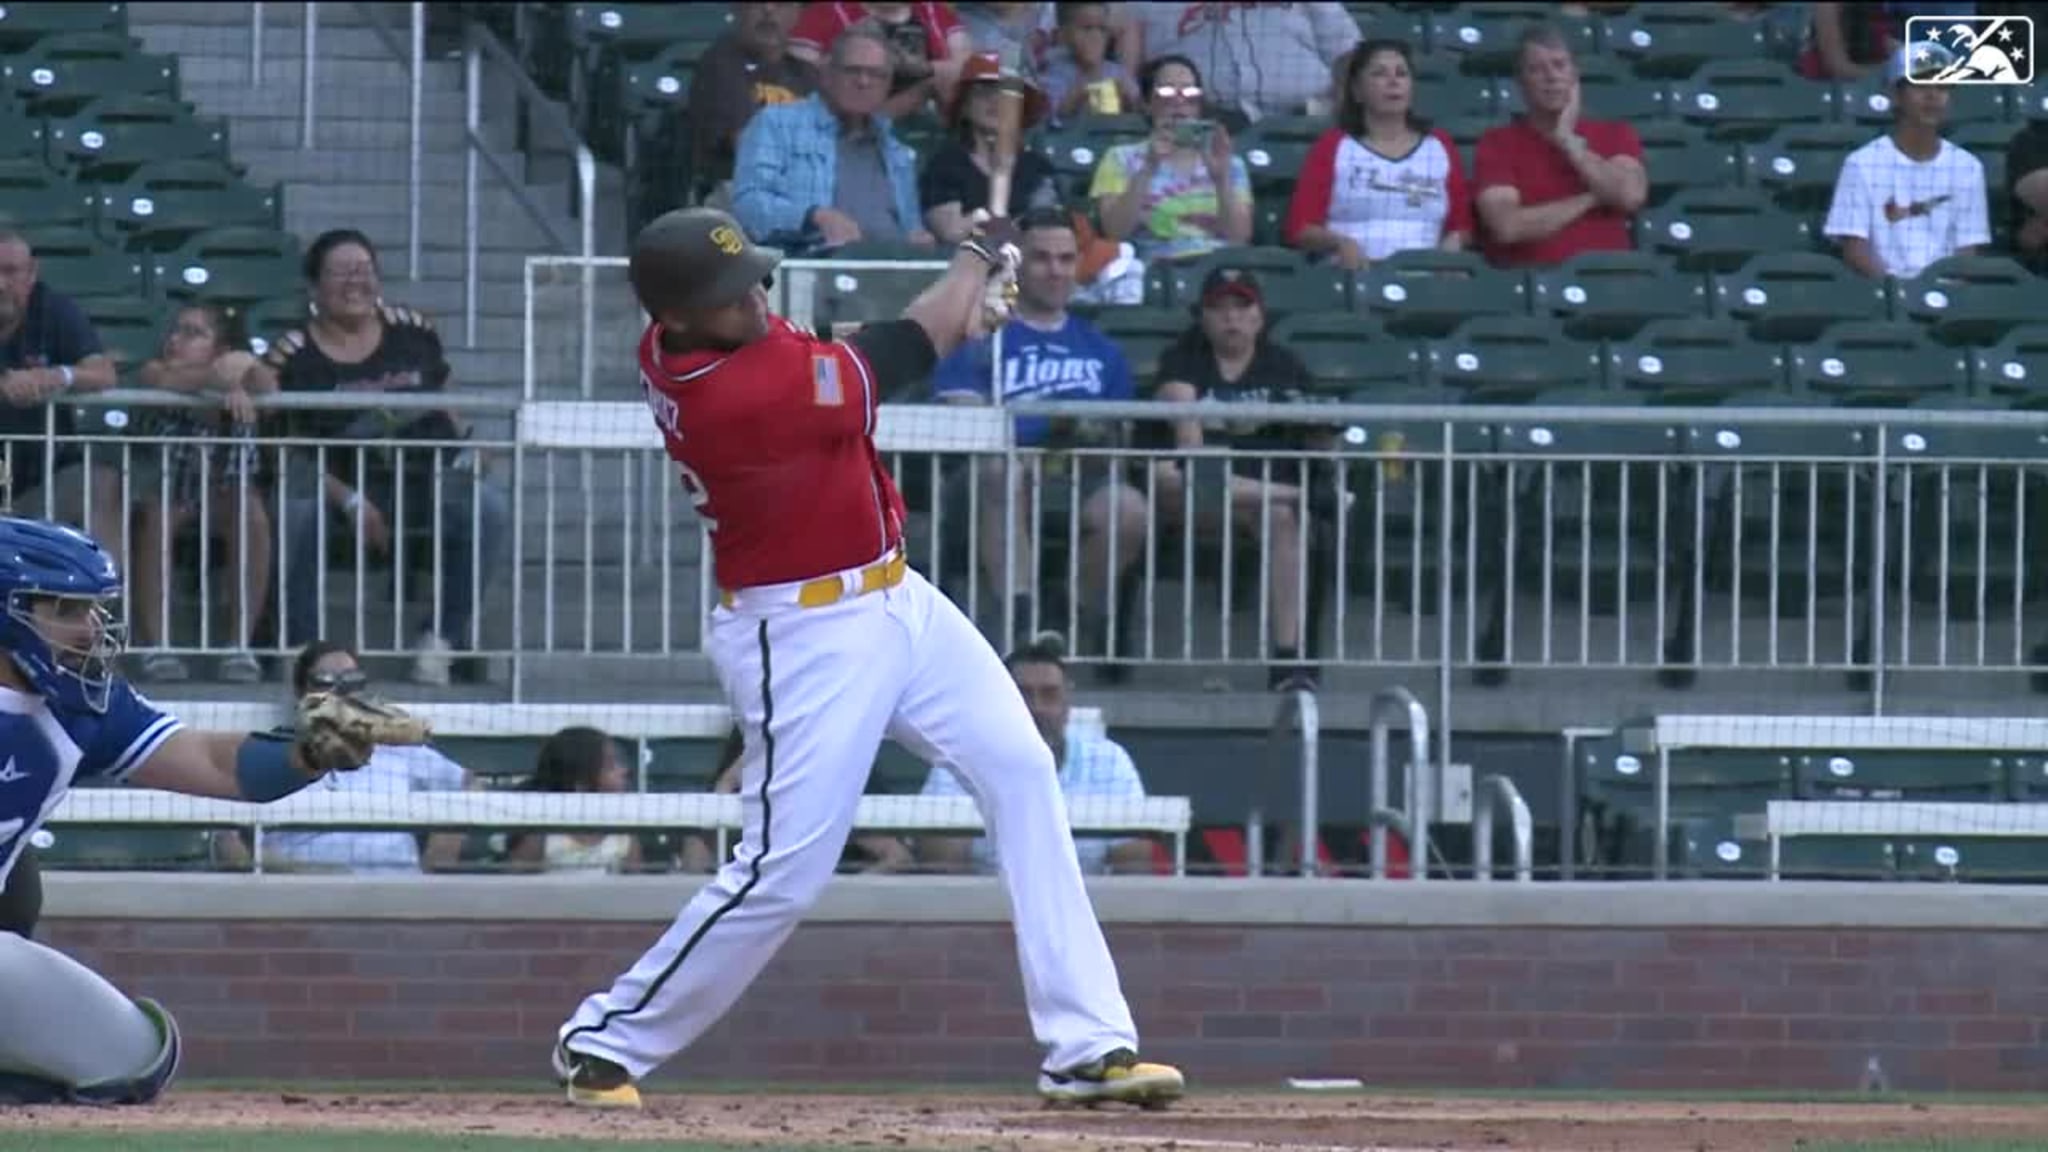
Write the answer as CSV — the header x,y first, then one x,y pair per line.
x,y
1909,197
1089,765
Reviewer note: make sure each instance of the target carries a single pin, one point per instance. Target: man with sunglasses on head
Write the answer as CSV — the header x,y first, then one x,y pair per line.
x,y
393,769
826,641
66,717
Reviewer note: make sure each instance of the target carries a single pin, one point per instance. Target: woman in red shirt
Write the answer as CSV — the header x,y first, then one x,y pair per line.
x,y
1382,180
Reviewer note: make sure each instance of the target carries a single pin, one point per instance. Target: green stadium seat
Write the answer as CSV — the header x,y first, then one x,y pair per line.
x,y
1679,156
1611,295
21,25
1590,492
131,327
1717,229
1445,93
22,136
642,30
1427,293
1674,41
2029,103
31,195
164,204
1878,363
1075,148
1972,859
1799,163
1885,775
1611,92
1393,472
265,321
1346,353
1465,132
1869,102
1511,359
1711,849
1288,282
643,98
1694,361
238,266
2026,776
128,849
1972,300
1617,792
60,74
79,263
1274,150
1793,297
1748,98
2016,366
1482,36
113,136
1122,323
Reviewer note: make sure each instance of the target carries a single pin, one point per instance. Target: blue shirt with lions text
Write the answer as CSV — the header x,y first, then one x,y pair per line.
x,y
1073,362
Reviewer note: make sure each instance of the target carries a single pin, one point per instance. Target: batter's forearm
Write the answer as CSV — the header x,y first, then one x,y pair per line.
x,y
945,309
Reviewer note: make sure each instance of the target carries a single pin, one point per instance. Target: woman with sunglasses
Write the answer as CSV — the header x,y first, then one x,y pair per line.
x,y
324,666
1180,192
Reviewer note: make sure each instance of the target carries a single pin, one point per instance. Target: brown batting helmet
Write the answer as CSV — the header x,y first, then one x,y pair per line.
x,y
694,258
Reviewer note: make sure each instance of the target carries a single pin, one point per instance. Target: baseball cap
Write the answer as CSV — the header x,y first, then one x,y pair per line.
x,y
1921,60
692,258
1225,282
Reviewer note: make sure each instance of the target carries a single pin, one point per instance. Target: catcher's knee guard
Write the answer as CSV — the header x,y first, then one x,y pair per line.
x,y
143,1088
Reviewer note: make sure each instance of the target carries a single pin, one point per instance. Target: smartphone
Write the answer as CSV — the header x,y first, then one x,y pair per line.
x,y
1193,133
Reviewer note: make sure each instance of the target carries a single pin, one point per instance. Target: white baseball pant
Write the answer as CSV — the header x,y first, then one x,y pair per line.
x,y
816,690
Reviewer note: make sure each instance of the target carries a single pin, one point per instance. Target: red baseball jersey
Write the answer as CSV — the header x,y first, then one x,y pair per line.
x,y
775,444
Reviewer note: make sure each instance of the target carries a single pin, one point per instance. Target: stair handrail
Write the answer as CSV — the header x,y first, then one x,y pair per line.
x,y
1300,711
1499,790
413,56
479,42
1389,704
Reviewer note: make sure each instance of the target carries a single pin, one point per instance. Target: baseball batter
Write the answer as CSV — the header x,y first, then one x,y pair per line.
x,y
825,642
66,1035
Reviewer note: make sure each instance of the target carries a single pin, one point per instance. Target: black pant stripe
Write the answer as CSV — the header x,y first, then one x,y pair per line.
x,y
754,869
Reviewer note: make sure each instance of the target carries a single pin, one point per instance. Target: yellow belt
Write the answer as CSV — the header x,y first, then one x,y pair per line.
x,y
826,590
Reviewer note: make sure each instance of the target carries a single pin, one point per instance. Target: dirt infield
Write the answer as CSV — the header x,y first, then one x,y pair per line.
x,y
1391,1123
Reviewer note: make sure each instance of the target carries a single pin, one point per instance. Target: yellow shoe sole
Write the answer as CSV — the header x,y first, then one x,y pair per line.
x,y
625,1097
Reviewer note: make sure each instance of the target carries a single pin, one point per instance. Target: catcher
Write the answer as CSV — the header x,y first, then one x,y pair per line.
x,y
66,1035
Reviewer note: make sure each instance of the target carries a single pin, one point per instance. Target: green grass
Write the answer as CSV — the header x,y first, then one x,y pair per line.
x,y
286,1141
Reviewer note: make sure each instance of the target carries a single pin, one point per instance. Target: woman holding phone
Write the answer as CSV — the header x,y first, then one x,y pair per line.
x,y
1181,192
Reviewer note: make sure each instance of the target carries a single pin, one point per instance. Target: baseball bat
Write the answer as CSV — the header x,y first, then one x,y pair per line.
x,y
1009,137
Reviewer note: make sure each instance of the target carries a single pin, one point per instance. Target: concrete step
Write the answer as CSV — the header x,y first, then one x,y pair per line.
x,y
335,100
498,268
481,366
278,128
281,45
309,209
345,165
285,73
204,12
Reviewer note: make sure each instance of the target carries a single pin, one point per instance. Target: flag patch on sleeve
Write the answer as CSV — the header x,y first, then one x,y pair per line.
x,y
825,378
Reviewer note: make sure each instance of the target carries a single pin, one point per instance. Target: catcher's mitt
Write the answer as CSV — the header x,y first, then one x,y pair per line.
x,y
338,731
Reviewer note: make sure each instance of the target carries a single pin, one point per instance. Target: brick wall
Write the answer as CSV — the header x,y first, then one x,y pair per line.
x,y
1621,1008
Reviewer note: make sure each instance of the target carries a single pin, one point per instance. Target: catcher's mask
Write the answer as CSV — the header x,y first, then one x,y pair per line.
x,y
61,624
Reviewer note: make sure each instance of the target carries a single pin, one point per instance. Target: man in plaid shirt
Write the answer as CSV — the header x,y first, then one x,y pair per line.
x,y
1089,765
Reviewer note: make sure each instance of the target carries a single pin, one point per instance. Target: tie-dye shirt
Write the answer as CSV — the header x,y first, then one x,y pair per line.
x,y
1180,215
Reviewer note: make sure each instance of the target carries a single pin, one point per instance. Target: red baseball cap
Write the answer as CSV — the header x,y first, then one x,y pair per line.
x,y
1227,282
987,68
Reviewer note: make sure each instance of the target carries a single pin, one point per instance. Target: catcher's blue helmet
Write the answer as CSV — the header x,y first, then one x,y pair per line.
x,y
58,588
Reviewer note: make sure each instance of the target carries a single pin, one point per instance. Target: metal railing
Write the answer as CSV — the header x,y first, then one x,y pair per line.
x,y
1299,717
1500,791
1389,705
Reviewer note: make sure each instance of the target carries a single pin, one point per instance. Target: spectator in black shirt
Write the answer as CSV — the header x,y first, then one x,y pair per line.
x,y
954,184
48,349
1225,357
354,342
747,68
2026,176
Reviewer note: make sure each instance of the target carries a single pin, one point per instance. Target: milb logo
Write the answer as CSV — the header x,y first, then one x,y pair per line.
x,y
1970,49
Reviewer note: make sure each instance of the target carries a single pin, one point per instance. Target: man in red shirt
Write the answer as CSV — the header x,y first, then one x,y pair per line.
x,y
825,642
1550,184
